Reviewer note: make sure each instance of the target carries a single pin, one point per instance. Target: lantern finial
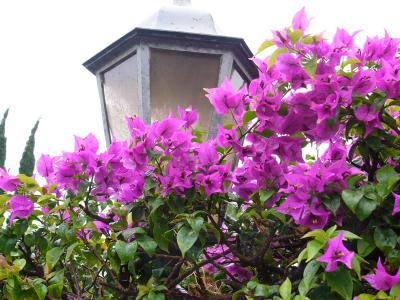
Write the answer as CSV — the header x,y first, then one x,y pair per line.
x,y
182,2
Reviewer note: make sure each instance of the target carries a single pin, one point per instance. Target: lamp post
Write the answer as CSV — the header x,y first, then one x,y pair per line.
x,y
165,62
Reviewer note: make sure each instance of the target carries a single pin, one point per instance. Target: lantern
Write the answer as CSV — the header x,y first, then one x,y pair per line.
x,y
166,62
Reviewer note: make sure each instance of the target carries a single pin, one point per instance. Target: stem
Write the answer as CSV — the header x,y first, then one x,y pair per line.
x,y
241,137
104,263
88,211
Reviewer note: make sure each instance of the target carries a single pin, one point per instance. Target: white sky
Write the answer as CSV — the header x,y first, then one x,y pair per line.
x,y
45,42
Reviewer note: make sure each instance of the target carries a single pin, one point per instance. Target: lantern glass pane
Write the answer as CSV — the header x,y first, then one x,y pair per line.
x,y
178,78
121,96
236,79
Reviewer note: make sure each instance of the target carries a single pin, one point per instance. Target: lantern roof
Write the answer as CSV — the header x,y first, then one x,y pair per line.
x,y
178,24
182,17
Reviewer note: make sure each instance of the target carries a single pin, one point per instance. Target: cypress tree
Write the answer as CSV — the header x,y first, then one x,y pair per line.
x,y
3,140
27,163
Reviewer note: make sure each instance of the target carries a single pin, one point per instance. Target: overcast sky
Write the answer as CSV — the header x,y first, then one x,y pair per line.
x,y
45,42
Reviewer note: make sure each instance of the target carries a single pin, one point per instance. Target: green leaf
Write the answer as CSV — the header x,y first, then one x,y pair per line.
x,y
340,282
387,178
285,290
56,283
365,246
331,230
294,35
70,249
126,251
196,223
214,230
395,291
322,292
186,238
19,264
274,55
332,203
160,227
20,227
385,239
349,235
310,66
351,198
365,207
248,116
309,39
386,174
265,195
313,248
53,256
252,284
283,111
356,266
131,231
353,180
29,181
309,277
318,234
147,243
394,257
366,297
266,44
301,256
261,290
40,288
266,133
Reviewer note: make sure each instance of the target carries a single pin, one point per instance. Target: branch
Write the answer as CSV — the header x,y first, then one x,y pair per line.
x,y
241,137
118,285
87,210
174,271
196,267
221,268
94,216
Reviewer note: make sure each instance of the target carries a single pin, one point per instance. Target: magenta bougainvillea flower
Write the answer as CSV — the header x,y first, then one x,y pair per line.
x,y
188,115
101,226
227,263
396,206
336,252
228,137
363,82
44,165
369,116
382,280
129,192
343,41
8,183
314,216
136,127
225,98
300,20
21,207
167,127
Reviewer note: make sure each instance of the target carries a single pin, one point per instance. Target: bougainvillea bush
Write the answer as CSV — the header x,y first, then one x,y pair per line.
x,y
173,213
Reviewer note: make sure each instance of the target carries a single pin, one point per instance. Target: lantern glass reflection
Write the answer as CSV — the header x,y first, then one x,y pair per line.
x,y
178,78
121,96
